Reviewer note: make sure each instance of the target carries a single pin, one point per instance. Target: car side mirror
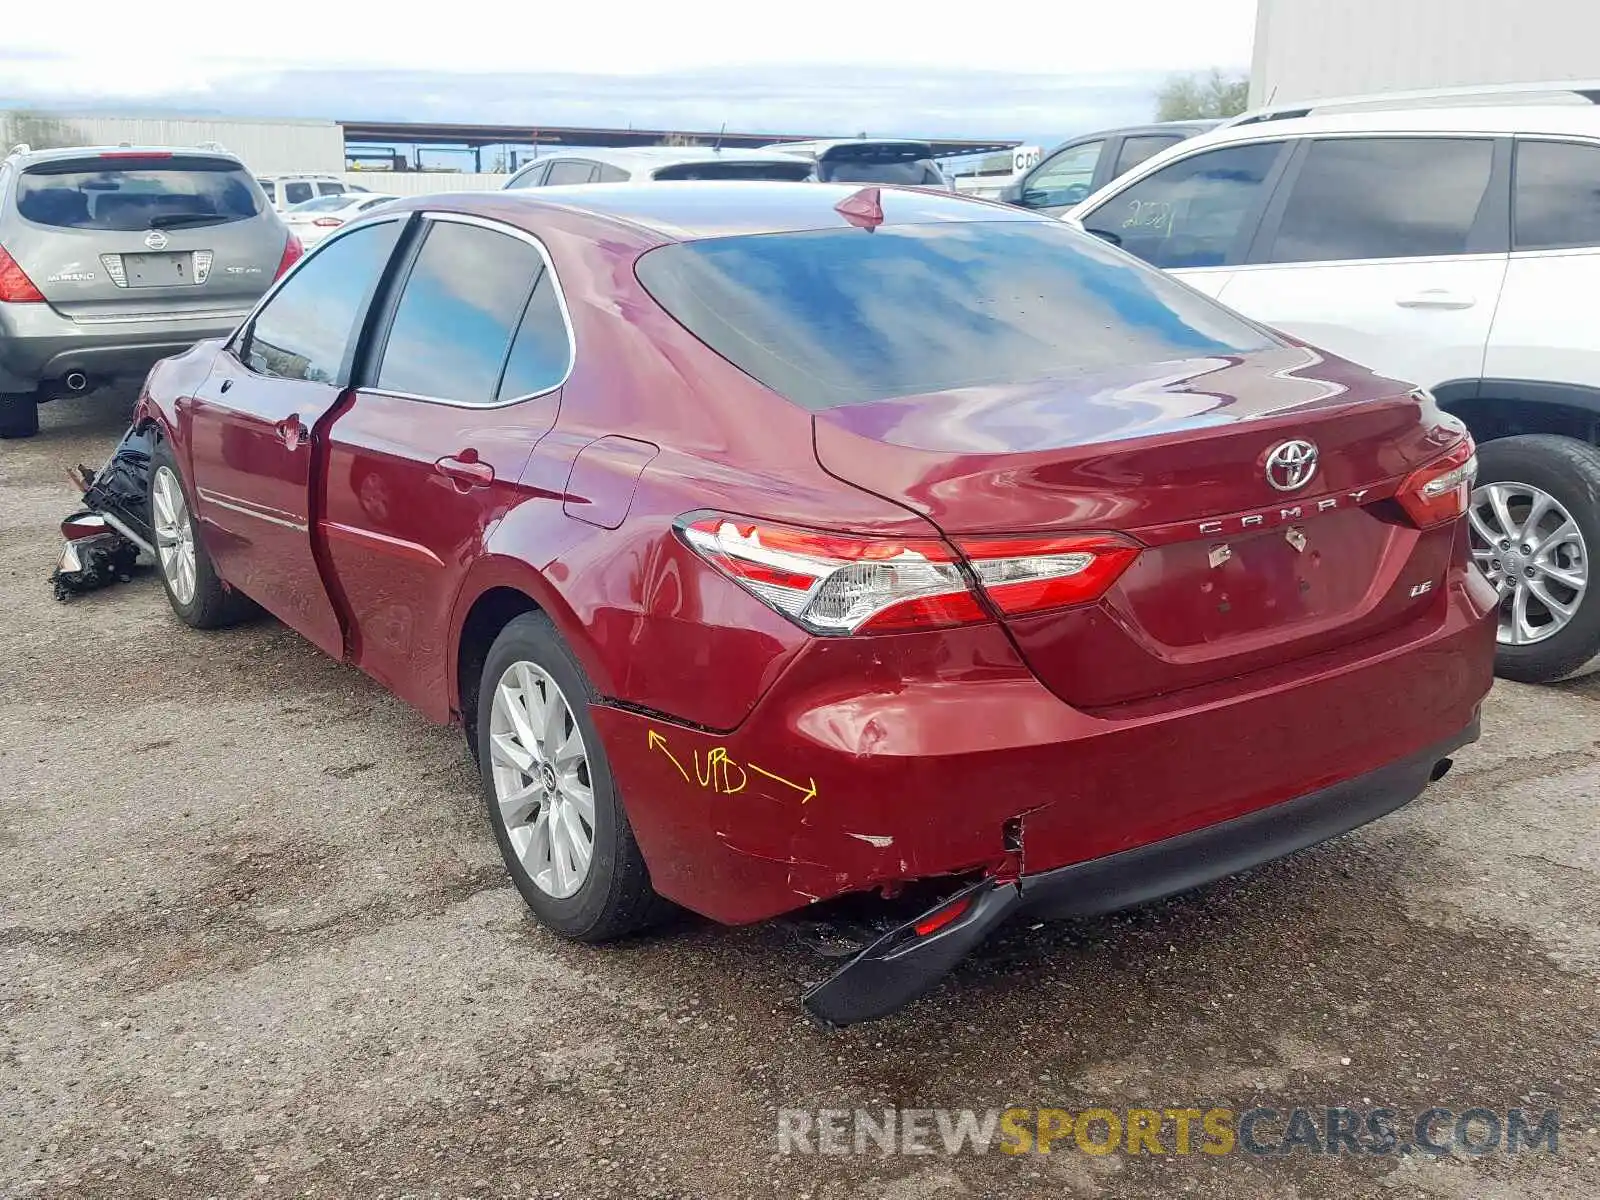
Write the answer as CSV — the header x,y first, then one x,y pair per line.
x,y
1105,235
1033,198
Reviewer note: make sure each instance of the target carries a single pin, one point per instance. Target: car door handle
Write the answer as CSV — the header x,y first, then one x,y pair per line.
x,y
466,469
291,432
226,384
1436,298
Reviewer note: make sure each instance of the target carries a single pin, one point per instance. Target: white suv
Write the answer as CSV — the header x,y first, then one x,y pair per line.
x,y
1457,248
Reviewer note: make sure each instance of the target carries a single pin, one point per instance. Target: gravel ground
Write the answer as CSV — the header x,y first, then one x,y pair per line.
x,y
255,941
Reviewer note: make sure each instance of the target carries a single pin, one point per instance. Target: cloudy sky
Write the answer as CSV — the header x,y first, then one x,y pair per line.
x,y
1027,68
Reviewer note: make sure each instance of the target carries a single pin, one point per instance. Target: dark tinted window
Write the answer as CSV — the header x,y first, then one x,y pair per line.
x,y
541,352
305,331
795,172
1384,198
532,177
606,173
269,187
569,170
1136,149
461,302
136,193
1558,195
297,192
1191,213
832,317
853,170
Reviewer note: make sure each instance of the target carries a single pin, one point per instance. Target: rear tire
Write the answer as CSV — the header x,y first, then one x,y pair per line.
x,y
540,753
194,589
1561,477
19,415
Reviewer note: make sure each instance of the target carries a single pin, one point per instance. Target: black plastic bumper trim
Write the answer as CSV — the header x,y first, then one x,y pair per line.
x,y
900,966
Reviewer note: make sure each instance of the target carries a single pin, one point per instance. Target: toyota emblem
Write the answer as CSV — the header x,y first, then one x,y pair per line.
x,y
156,240
1290,465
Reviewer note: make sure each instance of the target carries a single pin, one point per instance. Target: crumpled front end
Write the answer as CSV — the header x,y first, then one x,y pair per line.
x,y
108,537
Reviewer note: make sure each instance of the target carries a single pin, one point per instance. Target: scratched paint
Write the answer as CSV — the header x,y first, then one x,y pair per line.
x,y
716,772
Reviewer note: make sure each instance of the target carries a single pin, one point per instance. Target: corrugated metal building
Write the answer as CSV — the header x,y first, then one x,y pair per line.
x,y
1309,49
275,145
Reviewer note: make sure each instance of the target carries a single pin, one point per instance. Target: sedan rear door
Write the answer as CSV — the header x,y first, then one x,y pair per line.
x,y
256,427
428,452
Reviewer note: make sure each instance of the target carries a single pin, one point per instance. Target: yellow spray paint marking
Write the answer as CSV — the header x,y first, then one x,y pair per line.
x,y
723,775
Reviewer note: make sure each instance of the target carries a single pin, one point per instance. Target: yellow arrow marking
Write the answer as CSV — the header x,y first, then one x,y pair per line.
x,y
657,742
809,792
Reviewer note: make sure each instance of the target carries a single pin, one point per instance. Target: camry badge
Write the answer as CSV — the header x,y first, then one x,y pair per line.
x,y
156,240
1290,465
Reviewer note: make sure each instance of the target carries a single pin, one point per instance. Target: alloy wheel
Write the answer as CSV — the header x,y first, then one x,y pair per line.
x,y
1534,553
174,534
541,779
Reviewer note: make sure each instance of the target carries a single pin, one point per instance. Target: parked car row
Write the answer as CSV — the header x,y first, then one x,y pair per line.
x,y
844,160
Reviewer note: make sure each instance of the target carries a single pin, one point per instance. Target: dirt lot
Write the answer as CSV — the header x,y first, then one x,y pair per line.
x,y
255,941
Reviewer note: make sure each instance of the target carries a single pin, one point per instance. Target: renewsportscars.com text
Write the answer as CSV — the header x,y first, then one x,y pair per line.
x,y
1214,1131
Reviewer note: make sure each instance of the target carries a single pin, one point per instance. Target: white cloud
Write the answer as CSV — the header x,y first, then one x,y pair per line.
x,y
135,49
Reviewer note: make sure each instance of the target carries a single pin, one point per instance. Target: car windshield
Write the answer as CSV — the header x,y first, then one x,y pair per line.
x,y
135,192
321,204
833,317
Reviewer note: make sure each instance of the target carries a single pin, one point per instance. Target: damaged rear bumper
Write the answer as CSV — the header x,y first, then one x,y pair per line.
x,y
909,960
104,539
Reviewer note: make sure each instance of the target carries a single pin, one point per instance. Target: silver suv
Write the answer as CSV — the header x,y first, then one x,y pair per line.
x,y
113,258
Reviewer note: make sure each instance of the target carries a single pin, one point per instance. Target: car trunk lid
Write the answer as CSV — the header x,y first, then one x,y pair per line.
x,y
1234,572
119,234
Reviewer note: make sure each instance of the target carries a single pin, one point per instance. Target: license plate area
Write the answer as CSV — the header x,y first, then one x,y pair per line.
x,y
158,270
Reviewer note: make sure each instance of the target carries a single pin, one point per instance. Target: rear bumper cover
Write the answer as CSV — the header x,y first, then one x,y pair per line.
x,y
39,344
902,965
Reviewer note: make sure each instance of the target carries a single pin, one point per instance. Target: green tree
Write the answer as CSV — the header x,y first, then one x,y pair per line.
x,y
1202,94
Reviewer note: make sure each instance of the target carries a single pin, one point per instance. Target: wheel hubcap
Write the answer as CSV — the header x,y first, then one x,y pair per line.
x,y
541,779
174,534
1534,554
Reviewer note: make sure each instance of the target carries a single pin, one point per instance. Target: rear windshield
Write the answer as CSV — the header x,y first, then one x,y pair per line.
x,y
136,193
795,172
869,170
832,317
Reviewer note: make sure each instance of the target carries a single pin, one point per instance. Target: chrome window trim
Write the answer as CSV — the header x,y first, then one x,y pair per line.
x,y
561,303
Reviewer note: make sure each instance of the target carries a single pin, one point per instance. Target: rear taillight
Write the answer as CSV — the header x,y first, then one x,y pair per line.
x,y
293,252
328,222
15,286
841,584
1032,574
1442,490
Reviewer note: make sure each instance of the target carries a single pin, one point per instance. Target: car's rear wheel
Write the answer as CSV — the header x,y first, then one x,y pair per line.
x,y
1535,524
195,591
554,808
19,415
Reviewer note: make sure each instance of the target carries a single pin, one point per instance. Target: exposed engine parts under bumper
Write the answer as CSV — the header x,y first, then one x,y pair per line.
x,y
911,958
106,538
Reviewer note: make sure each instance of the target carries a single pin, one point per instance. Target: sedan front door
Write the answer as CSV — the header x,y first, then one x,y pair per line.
x,y
253,429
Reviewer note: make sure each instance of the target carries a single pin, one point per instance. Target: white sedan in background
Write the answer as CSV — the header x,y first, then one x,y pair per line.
x,y
313,220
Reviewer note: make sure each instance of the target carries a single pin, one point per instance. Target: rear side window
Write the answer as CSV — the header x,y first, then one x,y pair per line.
x,y
832,317
297,192
532,177
269,187
1360,198
306,330
542,351
1136,149
460,306
1191,213
606,173
331,189
794,172
136,193
1558,195
569,171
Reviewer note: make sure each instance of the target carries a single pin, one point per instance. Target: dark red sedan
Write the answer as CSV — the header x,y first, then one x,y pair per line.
x,y
778,541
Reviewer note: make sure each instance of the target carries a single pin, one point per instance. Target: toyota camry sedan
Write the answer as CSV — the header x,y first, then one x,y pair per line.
x,y
773,542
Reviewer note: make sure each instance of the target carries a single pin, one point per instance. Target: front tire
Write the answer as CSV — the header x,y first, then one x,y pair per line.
x,y
1535,524
195,591
19,415
547,784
